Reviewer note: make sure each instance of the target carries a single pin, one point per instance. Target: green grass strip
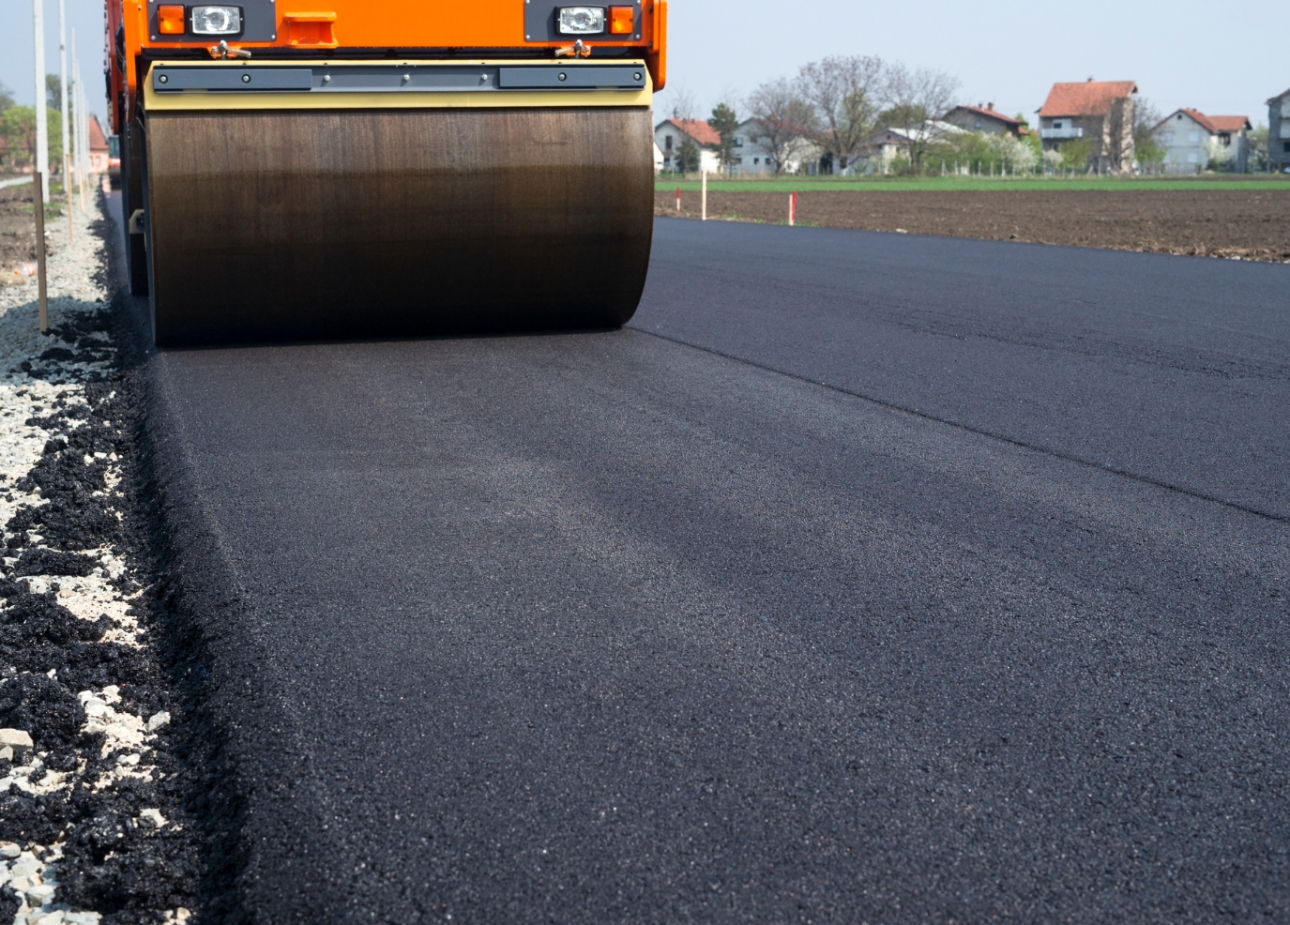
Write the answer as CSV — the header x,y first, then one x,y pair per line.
x,y
977,184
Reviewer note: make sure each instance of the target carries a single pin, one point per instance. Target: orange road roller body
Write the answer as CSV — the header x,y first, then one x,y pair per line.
x,y
351,169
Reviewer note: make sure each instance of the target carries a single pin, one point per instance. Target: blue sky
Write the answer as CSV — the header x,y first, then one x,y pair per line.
x,y
1223,60
1220,59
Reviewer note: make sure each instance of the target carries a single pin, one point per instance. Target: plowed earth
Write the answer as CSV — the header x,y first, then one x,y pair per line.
x,y
17,231
1250,224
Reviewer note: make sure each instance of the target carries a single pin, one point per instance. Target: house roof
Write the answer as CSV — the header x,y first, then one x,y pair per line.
x,y
992,114
98,141
1090,98
1280,97
1213,124
700,131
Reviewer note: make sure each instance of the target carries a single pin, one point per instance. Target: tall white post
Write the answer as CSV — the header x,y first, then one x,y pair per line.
x,y
62,75
42,109
82,150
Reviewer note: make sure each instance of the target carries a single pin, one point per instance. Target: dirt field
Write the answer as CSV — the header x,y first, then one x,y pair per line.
x,y
1251,224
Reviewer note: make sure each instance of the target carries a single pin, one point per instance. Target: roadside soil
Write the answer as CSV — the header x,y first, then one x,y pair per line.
x,y
17,232
1250,224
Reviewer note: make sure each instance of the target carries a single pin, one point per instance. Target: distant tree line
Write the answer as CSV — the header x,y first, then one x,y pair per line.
x,y
18,129
840,106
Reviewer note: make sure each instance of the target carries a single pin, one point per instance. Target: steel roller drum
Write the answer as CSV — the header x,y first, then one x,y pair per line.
x,y
303,225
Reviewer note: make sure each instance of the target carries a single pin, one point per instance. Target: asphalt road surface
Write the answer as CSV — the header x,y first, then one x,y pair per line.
x,y
864,578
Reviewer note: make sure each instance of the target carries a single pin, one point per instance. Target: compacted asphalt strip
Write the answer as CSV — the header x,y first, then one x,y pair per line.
x,y
863,578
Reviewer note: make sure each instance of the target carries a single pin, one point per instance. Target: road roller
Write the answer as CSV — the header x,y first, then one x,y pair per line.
x,y
352,169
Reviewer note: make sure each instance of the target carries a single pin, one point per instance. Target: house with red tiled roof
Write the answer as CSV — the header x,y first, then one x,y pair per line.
x,y
98,147
670,134
1279,132
986,120
1193,141
1098,111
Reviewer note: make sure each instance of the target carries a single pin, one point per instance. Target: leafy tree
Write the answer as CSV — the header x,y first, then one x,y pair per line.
x,y
54,92
902,116
1076,153
1259,149
688,156
1014,154
725,121
1147,150
18,134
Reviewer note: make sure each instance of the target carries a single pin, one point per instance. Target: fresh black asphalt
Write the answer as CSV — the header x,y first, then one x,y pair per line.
x,y
864,578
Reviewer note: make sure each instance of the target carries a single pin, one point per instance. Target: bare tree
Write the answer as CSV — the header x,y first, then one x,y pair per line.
x,y
924,96
846,94
1147,150
785,119
683,103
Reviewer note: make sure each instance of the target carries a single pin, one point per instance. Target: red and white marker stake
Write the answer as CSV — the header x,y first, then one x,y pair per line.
x,y
792,210
678,199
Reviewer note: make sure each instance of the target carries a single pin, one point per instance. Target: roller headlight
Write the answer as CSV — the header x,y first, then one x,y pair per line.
x,y
582,20
217,20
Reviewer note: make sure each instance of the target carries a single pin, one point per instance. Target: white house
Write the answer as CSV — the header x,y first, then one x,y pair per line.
x,y
1191,140
1279,132
671,133
885,146
753,154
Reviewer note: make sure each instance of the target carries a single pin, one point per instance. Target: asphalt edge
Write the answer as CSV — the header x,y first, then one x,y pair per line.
x,y
191,578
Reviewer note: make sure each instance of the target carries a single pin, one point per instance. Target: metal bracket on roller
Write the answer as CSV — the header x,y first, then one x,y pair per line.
x,y
223,51
138,222
576,50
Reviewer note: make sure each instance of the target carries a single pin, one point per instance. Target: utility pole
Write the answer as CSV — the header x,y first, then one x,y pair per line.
x,y
78,123
42,108
63,77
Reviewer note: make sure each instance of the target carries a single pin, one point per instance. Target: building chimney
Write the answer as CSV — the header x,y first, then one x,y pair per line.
x,y
990,106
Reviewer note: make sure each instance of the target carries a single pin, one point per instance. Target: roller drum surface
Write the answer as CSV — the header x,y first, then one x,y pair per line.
x,y
301,225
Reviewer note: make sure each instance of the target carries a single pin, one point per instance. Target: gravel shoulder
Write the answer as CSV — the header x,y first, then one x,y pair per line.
x,y
95,792
1245,224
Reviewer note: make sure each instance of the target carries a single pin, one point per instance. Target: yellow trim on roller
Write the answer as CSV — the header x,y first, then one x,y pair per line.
x,y
458,99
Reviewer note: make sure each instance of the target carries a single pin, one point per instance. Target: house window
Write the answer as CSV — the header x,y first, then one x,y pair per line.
x,y
1285,146
667,143
1057,125
978,125
1226,139
739,141
756,160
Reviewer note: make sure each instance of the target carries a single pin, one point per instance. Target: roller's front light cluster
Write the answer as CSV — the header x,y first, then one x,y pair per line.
x,y
217,20
582,20
595,20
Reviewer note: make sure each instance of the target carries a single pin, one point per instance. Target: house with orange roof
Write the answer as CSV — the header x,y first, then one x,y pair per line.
x,y
670,134
98,147
987,120
1100,111
1193,141
1279,132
